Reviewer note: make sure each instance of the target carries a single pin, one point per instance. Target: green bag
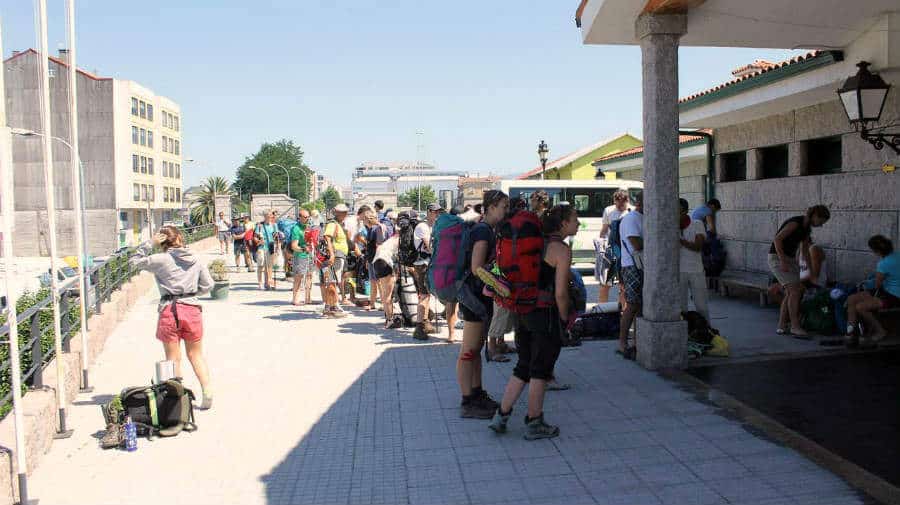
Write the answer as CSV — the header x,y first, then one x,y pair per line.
x,y
817,314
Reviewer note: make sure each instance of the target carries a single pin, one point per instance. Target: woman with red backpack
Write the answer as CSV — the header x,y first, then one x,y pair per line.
x,y
539,331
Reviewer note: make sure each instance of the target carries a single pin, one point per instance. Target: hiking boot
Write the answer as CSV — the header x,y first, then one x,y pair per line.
x,y
496,284
499,421
420,333
536,429
429,328
474,409
485,399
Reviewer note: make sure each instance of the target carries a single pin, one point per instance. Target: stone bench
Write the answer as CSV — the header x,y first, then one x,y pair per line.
x,y
890,319
746,280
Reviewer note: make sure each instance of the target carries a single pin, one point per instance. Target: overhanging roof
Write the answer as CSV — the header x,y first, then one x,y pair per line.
x,y
739,23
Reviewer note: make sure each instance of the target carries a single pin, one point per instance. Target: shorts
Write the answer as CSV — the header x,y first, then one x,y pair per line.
x,y
633,282
334,273
223,236
538,343
888,301
792,276
420,278
189,325
502,322
470,315
300,265
239,247
382,269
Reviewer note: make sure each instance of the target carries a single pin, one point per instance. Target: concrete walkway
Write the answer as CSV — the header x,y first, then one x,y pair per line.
x,y
311,411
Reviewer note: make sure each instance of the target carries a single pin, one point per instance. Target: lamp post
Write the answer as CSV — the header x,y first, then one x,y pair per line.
x,y
267,176
288,174
543,153
305,182
863,96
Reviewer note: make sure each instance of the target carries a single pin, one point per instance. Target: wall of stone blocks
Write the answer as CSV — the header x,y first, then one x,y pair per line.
x,y
31,232
277,202
691,180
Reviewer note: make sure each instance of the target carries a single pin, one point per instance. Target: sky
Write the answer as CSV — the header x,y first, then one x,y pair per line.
x,y
355,80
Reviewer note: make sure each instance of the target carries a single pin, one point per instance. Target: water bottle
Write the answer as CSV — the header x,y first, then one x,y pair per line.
x,y
130,435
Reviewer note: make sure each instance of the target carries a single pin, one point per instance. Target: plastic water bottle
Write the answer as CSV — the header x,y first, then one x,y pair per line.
x,y
130,435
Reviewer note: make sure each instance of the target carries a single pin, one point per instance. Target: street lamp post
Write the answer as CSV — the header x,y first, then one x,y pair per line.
x,y
288,174
267,176
543,153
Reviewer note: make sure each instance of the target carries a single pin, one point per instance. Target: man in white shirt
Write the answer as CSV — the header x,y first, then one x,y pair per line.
x,y
612,213
693,277
631,231
422,243
223,228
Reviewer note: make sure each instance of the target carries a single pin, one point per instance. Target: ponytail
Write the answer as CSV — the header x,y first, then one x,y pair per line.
x,y
552,219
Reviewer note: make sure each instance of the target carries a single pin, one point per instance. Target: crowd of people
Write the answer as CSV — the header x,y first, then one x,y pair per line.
x,y
381,256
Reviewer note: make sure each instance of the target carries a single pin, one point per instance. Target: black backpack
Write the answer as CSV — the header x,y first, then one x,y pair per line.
x,y
162,409
407,252
699,330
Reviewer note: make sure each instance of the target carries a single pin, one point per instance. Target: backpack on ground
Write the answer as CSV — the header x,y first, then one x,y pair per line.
x,y
164,409
447,267
817,314
520,251
698,327
407,252
406,295
596,326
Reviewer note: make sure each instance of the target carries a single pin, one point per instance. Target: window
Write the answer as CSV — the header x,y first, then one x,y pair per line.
x,y
143,164
178,171
143,109
177,128
171,145
825,156
134,135
178,194
149,112
165,194
165,117
177,147
151,193
149,138
774,162
165,168
135,163
165,145
589,202
137,193
150,166
143,137
134,106
144,192
734,167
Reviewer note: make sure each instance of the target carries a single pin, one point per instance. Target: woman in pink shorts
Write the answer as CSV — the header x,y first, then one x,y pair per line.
x,y
181,279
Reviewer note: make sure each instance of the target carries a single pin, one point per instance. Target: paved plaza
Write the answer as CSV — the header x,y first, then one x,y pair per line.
x,y
312,411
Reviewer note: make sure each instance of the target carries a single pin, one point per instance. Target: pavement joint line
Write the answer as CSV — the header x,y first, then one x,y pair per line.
x,y
858,477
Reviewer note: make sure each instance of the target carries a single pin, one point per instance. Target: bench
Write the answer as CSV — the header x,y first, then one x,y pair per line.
x,y
746,280
890,319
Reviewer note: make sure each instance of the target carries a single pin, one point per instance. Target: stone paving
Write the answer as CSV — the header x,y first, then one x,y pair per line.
x,y
313,411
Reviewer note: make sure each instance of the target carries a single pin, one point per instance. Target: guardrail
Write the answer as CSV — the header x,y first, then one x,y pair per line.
x,y
35,317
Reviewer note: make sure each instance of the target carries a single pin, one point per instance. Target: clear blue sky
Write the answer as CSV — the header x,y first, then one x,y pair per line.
x,y
353,80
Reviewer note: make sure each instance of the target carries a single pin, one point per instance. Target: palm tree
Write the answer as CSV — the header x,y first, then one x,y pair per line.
x,y
204,211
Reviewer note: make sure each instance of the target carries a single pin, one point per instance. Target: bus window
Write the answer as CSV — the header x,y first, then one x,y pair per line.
x,y
603,198
586,200
582,204
555,194
631,193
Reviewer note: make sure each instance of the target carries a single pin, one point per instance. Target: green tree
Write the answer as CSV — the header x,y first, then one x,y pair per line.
x,y
204,210
285,153
411,197
331,197
318,205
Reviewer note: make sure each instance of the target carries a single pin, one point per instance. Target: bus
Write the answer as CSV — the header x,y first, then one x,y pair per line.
x,y
589,197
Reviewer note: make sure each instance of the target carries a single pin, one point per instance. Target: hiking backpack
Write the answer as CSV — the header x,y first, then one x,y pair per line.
x,y
407,252
612,257
323,255
447,266
388,225
714,256
162,409
520,250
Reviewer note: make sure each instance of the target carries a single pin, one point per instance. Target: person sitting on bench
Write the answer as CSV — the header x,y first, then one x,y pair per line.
x,y
886,295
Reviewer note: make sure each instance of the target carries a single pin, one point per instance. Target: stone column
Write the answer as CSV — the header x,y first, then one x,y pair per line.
x,y
661,334
798,159
754,164
223,204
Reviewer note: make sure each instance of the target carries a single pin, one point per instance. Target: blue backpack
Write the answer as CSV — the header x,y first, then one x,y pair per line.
x,y
612,257
388,224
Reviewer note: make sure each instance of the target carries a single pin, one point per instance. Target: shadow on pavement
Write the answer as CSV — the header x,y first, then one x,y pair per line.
x,y
268,303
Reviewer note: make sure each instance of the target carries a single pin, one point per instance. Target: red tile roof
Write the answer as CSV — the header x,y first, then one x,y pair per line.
x,y
765,66
682,139
58,62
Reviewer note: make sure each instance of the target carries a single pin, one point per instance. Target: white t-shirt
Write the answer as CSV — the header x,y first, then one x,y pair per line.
x,y
691,261
805,272
632,225
351,225
611,213
223,225
388,250
421,234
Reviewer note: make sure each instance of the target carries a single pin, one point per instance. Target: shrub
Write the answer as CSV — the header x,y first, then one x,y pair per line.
x,y
218,270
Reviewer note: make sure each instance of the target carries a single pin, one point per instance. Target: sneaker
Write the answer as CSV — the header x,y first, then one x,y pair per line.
x,y
396,322
499,421
476,410
206,404
338,312
496,284
420,333
536,429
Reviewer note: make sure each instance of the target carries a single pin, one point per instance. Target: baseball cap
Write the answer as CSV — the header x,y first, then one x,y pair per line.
x,y
341,208
434,207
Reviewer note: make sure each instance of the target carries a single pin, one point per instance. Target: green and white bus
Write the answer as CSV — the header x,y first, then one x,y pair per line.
x,y
589,197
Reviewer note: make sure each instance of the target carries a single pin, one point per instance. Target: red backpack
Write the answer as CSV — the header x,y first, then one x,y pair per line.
x,y
520,251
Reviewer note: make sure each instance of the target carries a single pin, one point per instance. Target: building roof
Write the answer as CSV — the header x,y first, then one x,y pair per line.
x,y
476,180
569,158
763,72
683,141
58,62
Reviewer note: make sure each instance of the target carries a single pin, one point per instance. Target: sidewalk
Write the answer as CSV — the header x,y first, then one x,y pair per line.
x,y
312,410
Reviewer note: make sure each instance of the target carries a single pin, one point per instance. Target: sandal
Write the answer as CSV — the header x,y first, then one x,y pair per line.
x,y
497,357
783,331
800,334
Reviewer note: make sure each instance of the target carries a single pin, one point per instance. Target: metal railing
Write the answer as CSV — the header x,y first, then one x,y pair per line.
x,y
35,321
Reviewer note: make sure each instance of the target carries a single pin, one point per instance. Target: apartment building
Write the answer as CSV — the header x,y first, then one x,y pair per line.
x,y
130,144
